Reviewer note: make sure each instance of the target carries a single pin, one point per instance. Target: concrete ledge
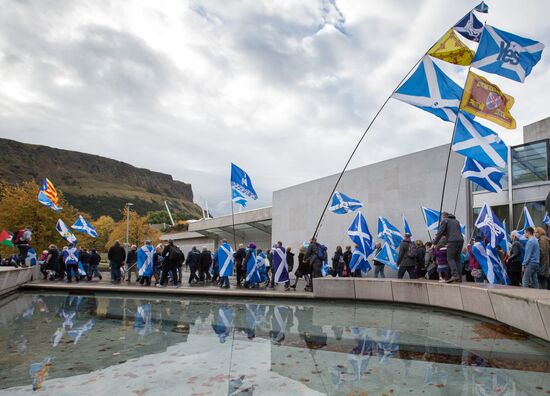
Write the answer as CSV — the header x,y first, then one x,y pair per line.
x,y
373,289
410,291
339,288
12,278
476,300
446,296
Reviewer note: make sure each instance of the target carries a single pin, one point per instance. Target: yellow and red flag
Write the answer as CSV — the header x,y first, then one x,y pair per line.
x,y
48,195
451,49
484,99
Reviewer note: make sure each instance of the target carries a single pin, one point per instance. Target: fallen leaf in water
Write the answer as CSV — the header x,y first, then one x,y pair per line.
x,y
116,353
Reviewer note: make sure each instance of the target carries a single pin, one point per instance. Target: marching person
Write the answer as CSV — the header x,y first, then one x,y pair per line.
x,y
303,269
131,264
204,265
70,256
239,257
252,274
145,263
531,260
170,256
544,245
514,260
225,260
116,256
450,229
192,262
406,261
378,265
94,264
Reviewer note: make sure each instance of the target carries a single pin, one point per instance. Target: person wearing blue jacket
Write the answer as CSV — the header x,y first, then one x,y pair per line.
x,y
531,260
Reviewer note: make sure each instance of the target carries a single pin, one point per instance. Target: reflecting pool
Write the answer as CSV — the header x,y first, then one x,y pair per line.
x,y
58,344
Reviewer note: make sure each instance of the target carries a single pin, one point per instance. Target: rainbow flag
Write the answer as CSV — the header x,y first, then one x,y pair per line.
x,y
48,195
5,238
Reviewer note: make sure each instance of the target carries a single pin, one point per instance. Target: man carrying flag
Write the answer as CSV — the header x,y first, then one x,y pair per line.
x,y
252,272
224,257
70,257
280,266
450,229
145,263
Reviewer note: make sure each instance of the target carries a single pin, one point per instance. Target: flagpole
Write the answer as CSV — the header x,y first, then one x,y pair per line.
x,y
458,192
233,224
369,126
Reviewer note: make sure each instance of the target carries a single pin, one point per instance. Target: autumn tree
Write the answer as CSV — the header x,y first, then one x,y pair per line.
x,y
139,230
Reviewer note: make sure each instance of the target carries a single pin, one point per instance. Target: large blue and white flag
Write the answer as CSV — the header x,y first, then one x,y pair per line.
x,y
280,266
225,259
429,89
145,260
487,177
431,216
359,261
477,142
30,260
241,182
480,253
546,219
527,222
490,225
506,54
387,255
506,244
388,232
238,197
342,204
482,7
64,231
252,271
83,226
360,235
470,27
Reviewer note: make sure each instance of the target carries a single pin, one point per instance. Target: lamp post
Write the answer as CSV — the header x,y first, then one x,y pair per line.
x,y
128,204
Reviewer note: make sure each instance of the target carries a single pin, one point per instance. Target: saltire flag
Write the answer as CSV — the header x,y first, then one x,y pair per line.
x,y
64,231
388,256
145,260
224,323
482,7
506,244
5,238
484,99
487,177
431,217
490,263
280,266
252,271
81,270
342,204
451,49
463,230
506,54
359,233
77,333
490,225
238,197
241,182
30,260
388,232
225,259
48,195
279,323
470,27
429,89
325,269
359,261
83,226
546,219
477,142
527,222
406,227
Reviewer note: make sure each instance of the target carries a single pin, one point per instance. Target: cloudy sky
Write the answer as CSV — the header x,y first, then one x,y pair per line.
x,y
282,88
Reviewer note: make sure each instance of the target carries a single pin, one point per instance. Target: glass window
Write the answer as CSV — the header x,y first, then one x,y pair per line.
x,y
536,209
530,162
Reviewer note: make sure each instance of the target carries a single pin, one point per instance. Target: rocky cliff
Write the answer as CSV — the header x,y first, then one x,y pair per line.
x,y
94,184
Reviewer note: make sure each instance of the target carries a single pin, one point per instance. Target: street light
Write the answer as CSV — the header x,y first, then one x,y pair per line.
x,y
128,204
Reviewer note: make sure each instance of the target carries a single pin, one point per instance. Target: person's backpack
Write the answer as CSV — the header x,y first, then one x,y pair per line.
x,y
17,237
176,255
321,252
411,252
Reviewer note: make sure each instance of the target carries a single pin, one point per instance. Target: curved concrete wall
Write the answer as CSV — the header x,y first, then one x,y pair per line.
x,y
525,309
11,278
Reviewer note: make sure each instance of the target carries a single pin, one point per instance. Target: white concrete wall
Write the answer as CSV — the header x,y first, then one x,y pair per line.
x,y
390,188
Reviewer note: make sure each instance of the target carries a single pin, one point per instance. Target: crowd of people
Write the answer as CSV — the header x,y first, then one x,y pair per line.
x,y
445,259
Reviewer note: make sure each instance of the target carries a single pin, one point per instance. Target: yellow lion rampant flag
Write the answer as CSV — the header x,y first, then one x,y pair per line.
x,y
484,99
451,49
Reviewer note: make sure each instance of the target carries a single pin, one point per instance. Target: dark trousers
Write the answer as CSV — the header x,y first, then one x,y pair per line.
x,y
515,278
132,267
453,258
410,270
169,267
94,271
356,273
224,281
240,274
23,250
145,280
193,273
115,271
72,269
543,282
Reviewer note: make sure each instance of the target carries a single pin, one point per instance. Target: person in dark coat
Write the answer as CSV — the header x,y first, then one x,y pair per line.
x,y
450,229
116,256
303,270
131,264
169,262
315,262
514,260
85,259
204,266
52,260
420,257
406,260
338,263
239,256
94,264
192,262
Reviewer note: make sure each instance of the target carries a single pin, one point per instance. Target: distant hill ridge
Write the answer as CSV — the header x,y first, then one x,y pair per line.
x,y
94,184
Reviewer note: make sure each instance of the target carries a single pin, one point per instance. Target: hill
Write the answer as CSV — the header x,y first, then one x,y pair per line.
x,y
94,184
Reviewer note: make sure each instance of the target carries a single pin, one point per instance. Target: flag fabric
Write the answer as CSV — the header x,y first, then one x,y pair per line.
x,y
406,227
342,204
490,225
252,270
477,142
388,256
463,230
48,195
388,232
451,49
480,253
143,323
280,266
484,99
429,89
238,197
83,226
224,323
64,231
498,266
527,222
359,233
241,182
506,244
431,217
359,261
225,259
5,238
487,177
30,259
546,219
470,27
506,54
145,260
482,7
